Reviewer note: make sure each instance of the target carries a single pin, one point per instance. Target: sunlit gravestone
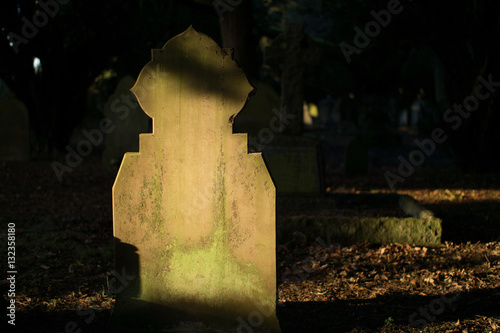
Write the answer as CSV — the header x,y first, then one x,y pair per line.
x,y
194,213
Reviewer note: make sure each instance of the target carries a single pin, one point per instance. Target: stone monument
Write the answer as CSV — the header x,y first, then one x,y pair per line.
x,y
194,264
295,162
129,120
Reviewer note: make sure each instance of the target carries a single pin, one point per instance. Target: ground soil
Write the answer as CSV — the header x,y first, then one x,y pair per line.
x,y
64,257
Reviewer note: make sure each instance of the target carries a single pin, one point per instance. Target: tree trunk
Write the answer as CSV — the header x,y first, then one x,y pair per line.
x,y
237,32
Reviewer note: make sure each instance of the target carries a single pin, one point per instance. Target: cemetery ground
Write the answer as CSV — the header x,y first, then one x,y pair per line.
x,y
64,257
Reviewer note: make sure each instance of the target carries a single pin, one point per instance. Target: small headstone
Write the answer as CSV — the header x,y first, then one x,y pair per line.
x,y
14,129
295,165
258,111
129,121
194,213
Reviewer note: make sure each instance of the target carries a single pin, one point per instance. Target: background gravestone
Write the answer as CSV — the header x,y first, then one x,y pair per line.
x,y
258,112
129,120
295,162
193,212
296,166
14,129
289,53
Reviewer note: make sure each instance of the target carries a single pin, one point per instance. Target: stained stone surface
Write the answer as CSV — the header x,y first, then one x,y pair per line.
x,y
194,213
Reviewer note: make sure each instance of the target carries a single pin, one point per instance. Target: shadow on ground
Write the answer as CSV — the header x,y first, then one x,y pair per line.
x,y
361,315
372,314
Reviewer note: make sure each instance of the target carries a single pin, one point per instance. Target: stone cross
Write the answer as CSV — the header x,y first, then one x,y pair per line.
x,y
288,54
193,213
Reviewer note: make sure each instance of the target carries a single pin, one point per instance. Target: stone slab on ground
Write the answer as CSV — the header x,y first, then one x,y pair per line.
x,y
350,222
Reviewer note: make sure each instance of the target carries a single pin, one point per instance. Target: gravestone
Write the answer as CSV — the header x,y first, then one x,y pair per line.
x,y
194,213
289,54
258,111
129,121
296,166
293,161
14,129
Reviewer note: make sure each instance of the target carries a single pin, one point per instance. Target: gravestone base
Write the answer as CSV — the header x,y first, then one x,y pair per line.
x,y
296,166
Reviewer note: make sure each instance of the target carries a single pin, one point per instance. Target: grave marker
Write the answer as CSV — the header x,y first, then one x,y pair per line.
x,y
296,165
289,53
129,120
14,129
200,263
296,168
258,112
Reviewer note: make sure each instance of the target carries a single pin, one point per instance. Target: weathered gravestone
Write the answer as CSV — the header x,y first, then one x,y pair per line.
x,y
14,129
194,213
129,120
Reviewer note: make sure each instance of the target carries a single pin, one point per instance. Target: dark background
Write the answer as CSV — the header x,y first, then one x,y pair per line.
x,y
88,45
64,228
